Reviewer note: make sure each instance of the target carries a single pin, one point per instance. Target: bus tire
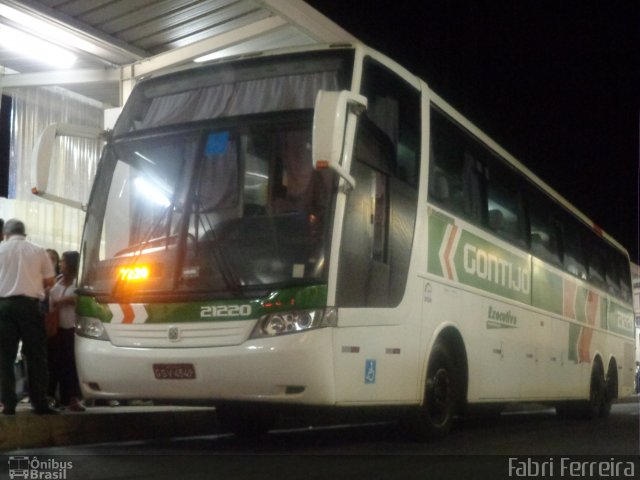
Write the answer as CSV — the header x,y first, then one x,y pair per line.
x,y
599,403
611,389
435,416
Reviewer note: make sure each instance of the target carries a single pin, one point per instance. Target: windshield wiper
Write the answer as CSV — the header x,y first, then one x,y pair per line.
x,y
135,251
215,249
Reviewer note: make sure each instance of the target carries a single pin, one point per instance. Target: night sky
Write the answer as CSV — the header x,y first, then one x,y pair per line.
x,y
555,83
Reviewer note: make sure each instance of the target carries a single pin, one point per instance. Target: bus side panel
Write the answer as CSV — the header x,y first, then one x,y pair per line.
x,y
508,346
531,331
620,319
562,305
587,324
473,278
376,364
566,377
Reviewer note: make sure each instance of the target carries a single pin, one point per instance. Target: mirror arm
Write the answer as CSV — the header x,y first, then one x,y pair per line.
x,y
335,122
42,154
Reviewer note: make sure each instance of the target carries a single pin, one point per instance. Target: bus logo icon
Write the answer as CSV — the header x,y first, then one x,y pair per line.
x,y
174,334
34,468
18,467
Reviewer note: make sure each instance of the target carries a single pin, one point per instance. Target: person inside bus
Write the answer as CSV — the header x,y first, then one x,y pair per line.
x,y
303,190
62,298
472,183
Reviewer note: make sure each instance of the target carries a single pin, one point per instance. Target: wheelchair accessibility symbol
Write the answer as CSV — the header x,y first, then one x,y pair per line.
x,y
370,371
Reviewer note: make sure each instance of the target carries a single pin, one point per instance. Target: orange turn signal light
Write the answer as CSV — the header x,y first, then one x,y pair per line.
x,y
134,274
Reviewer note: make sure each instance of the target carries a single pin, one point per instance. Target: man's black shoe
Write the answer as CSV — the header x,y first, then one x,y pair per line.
x,y
9,411
47,410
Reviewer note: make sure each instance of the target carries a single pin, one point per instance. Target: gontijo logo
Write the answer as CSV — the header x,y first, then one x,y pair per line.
x,y
492,268
33,468
471,260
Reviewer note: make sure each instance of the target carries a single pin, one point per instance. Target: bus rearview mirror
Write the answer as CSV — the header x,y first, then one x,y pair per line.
x,y
334,125
43,153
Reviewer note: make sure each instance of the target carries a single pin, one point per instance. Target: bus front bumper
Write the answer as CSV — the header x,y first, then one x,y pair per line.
x,y
295,368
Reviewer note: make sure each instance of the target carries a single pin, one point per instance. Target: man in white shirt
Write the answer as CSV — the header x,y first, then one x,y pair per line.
x,y
25,271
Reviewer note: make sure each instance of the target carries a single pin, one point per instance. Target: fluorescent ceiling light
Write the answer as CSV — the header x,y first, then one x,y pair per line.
x,y
207,57
35,48
46,29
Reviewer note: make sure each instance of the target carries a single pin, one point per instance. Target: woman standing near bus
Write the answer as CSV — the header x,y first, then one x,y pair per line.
x,y
62,298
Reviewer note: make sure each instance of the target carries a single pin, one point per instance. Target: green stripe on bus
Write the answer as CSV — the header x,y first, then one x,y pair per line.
x,y
476,262
304,297
547,289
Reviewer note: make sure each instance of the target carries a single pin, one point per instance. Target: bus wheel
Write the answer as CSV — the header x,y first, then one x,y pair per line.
x,y
611,390
246,421
435,417
599,403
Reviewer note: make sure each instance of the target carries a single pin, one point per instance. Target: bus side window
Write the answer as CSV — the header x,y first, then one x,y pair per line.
x,y
618,275
394,108
505,214
625,277
573,253
471,180
612,275
473,188
455,177
597,263
543,227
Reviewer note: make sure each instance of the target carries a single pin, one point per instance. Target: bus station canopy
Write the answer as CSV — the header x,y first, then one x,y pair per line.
x,y
116,42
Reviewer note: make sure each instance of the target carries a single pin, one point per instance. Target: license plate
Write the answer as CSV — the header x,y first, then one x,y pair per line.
x,y
174,371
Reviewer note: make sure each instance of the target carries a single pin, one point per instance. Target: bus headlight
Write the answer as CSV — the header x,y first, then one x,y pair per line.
x,y
91,327
293,321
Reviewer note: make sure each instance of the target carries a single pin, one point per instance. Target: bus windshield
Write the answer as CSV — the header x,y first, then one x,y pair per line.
x,y
214,203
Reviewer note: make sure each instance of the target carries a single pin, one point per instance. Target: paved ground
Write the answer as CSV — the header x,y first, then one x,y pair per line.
x,y
109,424
102,424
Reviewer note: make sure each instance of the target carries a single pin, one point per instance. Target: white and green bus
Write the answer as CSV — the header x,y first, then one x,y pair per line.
x,y
635,281
317,228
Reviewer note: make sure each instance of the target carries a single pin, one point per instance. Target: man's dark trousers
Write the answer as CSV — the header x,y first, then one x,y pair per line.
x,y
21,319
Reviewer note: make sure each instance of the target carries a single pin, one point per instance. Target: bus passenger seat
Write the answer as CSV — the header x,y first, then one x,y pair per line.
x,y
440,187
538,246
496,220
